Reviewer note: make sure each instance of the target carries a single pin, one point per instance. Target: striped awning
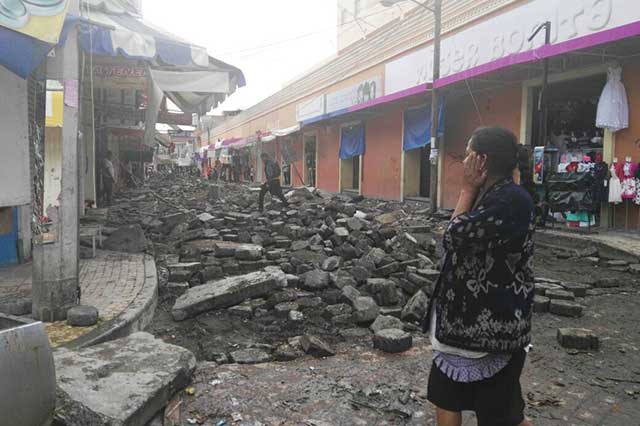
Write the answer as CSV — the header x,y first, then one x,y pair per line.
x,y
132,37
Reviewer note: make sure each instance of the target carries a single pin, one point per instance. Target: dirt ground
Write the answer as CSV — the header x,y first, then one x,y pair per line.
x,y
360,386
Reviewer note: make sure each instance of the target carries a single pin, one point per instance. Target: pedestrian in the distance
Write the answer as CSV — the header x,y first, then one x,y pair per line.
x,y
108,177
272,184
480,314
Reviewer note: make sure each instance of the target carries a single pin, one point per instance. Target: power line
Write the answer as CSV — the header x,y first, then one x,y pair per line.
x,y
333,28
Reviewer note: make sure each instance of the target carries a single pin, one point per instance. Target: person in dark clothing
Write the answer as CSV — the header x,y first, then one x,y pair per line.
x,y
272,184
480,314
108,178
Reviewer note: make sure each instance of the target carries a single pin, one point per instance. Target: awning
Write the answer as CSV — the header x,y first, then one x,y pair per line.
x,y
131,37
268,138
286,132
21,54
39,20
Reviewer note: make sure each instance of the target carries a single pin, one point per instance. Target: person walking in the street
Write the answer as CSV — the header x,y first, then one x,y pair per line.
x,y
272,184
108,178
480,314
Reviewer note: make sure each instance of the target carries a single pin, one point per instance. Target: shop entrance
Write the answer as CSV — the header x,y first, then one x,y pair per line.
x,y
568,168
350,172
417,173
310,159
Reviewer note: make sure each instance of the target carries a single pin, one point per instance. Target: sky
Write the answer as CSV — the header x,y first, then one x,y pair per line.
x,y
271,41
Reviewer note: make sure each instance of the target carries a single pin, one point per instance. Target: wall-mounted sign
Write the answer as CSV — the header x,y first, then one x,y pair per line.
x,y
496,38
354,95
165,117
310,108
127,76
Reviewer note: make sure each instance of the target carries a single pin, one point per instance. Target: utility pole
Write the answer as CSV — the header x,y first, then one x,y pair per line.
x,y
56,254
434,155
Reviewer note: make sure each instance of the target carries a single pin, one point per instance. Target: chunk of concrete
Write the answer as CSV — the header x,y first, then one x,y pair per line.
x,y
416,308
119,383
566,308
316,280
128,239
541,304
384,322
392,341
578,338
82,316
228,292
316,347
365,310
250,356
560,295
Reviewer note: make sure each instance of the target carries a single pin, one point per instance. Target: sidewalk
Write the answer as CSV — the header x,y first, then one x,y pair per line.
x,y
624,241
122,286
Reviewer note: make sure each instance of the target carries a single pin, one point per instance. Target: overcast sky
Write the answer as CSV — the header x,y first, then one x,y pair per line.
x,y
272,41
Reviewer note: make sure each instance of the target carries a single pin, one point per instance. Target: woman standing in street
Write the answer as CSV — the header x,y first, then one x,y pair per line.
x,y
480,315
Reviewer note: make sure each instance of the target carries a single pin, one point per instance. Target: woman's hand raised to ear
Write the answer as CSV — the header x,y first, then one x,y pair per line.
x,y
475,171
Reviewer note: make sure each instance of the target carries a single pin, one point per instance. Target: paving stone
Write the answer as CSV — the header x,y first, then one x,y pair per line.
x,y
82,316
128,239
146,372
283,309
296,316
541,304
250,356
383,322
241,311
349,295
566,308
360,274
578,289
578,338
392,341
541,288
339,309
384,291
181,272
286,353
388,269
316,347
354,333
331,264
228,292
365,310
559,295
416,308
607,283
316,280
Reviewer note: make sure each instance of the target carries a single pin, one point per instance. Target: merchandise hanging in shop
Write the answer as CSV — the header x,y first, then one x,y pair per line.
x,y
613,107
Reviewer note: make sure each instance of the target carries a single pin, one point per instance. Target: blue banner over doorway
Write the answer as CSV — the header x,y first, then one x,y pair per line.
x,y
352,141
417,126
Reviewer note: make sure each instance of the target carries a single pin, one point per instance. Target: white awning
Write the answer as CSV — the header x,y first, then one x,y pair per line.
x,y
286,132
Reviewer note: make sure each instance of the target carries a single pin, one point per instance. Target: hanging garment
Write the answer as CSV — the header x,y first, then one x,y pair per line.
x,y
613,107
628,182
615,187
637,199
601,186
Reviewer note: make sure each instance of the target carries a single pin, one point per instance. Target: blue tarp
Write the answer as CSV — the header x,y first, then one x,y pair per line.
x,y
417,127
22,54
352,141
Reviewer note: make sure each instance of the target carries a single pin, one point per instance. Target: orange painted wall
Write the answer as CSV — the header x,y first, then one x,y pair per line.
x,y
381,166
501,107
328,160
625,144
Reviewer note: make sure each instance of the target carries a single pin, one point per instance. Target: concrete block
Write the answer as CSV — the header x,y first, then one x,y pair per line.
x,y
82,316
578,338
566,308
119,383
392,341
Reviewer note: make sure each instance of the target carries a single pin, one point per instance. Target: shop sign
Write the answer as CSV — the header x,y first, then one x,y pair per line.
x,y
506,34
165,117
354,95
119,76
310,108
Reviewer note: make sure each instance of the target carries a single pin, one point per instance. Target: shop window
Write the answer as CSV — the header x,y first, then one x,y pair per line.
x,y
310,160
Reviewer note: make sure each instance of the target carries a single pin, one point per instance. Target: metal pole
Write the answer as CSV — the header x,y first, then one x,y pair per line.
x,y
545,84
434,154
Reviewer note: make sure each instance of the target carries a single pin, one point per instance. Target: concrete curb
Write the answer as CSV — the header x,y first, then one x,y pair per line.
x,y
136,317
614,243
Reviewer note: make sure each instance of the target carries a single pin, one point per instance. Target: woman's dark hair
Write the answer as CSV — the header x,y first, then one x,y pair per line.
x,y
501,148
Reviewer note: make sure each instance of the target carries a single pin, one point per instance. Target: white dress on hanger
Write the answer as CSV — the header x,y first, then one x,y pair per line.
x,y
615,187
613,107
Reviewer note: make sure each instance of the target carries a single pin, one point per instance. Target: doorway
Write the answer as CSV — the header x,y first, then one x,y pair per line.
x,y
417,173
350,172
310,159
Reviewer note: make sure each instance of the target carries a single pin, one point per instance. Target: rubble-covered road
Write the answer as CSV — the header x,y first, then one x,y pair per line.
x,y
265,301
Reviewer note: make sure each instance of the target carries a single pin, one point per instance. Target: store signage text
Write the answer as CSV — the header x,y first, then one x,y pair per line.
x,y
354,95
310,108
507,34
117,71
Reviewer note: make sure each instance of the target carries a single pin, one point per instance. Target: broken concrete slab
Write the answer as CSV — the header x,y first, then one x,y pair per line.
x,y
578,338
250,356
128,239
82,316
228,292
566,308
541,304
366,310
384,322
416,308
392,341
316,347
316,280
119,383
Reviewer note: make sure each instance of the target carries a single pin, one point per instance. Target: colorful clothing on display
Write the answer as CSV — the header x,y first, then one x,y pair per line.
x,y
615,185
629,189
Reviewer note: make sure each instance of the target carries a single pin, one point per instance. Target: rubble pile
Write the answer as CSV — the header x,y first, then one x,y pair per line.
x,y
339,262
